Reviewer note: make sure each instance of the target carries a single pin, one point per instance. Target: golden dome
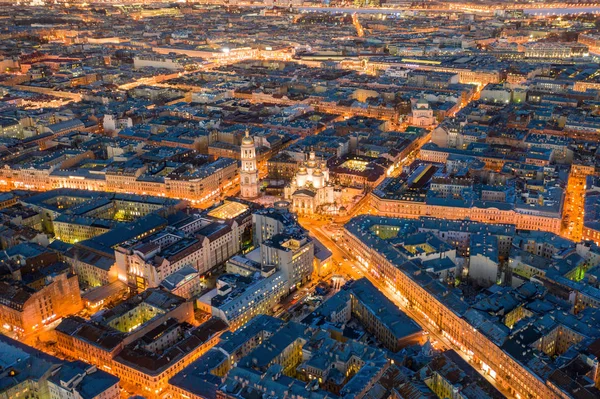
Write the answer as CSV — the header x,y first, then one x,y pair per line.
x,y
247,140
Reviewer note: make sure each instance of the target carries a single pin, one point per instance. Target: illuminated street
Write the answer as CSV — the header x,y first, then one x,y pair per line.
x,y
348,266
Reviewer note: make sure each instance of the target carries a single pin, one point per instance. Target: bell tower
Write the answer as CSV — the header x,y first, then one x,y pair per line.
x,y
248,171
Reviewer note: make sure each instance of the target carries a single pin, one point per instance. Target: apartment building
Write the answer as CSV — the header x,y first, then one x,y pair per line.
x,y
32,304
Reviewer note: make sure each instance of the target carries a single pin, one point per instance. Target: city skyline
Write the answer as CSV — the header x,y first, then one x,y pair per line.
x,y
239,199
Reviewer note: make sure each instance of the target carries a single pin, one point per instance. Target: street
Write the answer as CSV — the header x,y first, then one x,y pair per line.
x,y
346,265
572,223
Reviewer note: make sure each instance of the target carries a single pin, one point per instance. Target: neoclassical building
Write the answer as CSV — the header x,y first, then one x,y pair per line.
x,y
310,191
422,114
249,170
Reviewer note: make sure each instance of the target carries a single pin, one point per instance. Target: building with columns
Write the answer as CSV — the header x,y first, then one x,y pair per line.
x,y
310,191
249,170
422,114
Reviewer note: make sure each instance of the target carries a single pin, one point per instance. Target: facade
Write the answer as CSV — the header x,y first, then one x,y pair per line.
x,y
199,241
293,254
92,269
143,341
489,348
310,191
150,262
264,356
28,308
591,40
98,340
547,50
406,209
237,299
78,380
422,114
393,337
196,184
591,226
75,215
147,364
28,372
74,229
358,171
450,376
283,258
184,283
373,310
484,266
204,376
271,221
249,169
189,183
494,93
282,166
420,193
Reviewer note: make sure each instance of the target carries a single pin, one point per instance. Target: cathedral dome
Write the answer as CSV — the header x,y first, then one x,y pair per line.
x,y
312,161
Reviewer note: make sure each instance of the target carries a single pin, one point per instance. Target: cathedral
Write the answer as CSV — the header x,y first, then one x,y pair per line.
x,y
310,191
